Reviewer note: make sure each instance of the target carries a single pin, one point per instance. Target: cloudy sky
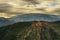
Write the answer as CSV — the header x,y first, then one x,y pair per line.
x,y
9,8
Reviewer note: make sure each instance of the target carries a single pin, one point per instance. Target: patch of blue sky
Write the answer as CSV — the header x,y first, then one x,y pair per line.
x,y
53,4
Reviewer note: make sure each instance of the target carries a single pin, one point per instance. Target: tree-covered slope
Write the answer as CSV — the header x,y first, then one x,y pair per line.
x,y
27,31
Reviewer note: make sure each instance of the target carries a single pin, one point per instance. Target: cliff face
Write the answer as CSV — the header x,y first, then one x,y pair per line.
x,y
31,31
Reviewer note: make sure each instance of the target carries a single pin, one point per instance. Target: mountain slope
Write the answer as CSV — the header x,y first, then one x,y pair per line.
x,y
25,30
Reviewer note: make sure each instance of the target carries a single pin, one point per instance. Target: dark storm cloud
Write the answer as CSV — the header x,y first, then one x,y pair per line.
x,y
14,13
4,7
57,10
40,9
31,1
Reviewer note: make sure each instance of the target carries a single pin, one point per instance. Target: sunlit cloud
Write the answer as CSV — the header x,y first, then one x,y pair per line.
x,y
12,3
22,7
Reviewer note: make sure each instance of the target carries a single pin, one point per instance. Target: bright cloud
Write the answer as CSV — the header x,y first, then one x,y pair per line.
x,y
46,7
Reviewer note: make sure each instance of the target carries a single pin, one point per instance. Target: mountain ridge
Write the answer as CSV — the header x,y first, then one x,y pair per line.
x,y
27,18
36,17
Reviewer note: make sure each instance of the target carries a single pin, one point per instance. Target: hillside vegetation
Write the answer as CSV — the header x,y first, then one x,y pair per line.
x,y
30,31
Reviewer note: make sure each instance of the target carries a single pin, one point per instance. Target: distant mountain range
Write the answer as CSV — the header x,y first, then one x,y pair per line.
x,y
35,17
28,17
5,21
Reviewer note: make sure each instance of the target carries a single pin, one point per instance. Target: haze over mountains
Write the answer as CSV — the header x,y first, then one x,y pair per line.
x,y
28,17
35,17
5,21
